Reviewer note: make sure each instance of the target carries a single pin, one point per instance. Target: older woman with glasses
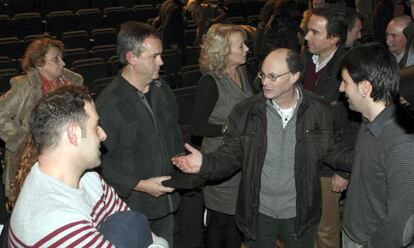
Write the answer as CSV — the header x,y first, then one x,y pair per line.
x,y
44,72
224,83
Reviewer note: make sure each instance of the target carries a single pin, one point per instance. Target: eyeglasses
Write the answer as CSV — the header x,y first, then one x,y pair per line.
x,y
271,77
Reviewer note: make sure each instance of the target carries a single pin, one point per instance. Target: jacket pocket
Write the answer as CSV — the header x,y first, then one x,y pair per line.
x,y
318,139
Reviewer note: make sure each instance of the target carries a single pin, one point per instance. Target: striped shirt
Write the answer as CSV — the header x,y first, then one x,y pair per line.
x,y
380,194
50,213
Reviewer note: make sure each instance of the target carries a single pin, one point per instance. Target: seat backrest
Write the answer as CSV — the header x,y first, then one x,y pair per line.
x,y
115,16
91,71
87,61
21,6
185,100
47,6
88,19
190,78
190,37
28,23
76,39
5,63
6,25
114,9
172,61
187,68
114,65
189,24
76,5
105,51
127,3
71,55
103,36
191,55
99,84
238,20
143,12
101,4
11,47
59,22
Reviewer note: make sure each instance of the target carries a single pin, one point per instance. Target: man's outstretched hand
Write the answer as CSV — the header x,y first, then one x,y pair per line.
x,y
190,163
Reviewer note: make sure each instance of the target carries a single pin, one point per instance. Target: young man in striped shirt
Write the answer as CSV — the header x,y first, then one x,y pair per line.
x,y
62,203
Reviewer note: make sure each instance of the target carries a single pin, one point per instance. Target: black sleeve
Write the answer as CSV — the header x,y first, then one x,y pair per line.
x,y
207,96
340,156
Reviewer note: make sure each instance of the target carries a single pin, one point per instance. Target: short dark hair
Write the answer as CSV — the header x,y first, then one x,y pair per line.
x,y
294,61
375,63
336,21
131,36
54,111
351,17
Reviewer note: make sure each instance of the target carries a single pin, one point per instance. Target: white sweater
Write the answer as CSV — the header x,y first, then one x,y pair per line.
x,y
49,213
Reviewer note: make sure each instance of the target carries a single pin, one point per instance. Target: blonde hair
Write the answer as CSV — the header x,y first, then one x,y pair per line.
x,y
216,47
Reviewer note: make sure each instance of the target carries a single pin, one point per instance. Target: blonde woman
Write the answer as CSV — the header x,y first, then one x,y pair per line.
x,y
224,83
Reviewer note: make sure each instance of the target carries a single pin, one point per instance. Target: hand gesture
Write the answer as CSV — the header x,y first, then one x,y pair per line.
x,y
153,186
190,163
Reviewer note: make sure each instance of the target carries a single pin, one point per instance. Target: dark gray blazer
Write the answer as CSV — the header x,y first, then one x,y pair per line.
x,y
140,144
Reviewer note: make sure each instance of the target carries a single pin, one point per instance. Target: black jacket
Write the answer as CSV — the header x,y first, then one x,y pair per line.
x,y
139,145
245,145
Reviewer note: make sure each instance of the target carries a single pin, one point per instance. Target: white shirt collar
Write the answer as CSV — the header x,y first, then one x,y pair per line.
x,y
399,57
286,114
320,65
